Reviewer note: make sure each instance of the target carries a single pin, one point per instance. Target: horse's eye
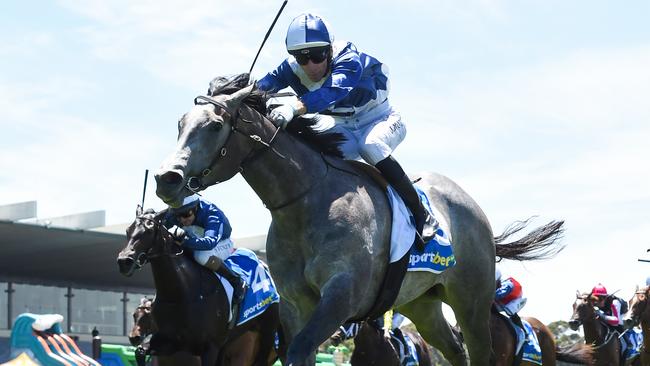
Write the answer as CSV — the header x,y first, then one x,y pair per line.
x,y
216,125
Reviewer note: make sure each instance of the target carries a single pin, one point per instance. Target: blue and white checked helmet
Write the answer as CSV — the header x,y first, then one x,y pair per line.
x,y
307,31
189,202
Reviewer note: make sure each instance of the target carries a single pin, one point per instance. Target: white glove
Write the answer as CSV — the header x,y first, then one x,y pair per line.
x,y
177,233
282,115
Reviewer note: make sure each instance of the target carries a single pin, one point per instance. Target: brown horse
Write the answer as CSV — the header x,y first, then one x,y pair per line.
x,y
372,348
640,313
603,339
504,343
244,346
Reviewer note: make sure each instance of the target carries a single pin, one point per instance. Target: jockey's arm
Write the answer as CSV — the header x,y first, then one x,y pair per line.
x,y
216,227
614,318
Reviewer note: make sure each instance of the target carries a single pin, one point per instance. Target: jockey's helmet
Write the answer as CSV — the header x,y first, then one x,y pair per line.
x,y
599,290
307,31
189,203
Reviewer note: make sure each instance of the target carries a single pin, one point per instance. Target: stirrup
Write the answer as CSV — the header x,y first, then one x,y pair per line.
x,y
243,287
430,227
235,315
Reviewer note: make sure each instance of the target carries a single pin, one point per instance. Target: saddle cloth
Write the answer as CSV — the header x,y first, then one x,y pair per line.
x,y
261,292
631,341
438,253
408,354
527,341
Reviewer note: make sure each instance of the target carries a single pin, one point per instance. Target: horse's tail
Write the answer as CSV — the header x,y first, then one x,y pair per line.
x,y
540,243
582,354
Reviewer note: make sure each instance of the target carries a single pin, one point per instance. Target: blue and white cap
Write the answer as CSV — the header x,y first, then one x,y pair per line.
x,y
189,202
307,31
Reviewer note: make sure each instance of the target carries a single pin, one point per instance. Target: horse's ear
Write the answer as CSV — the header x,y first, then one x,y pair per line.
x,y
161,214
236,98
138,211
577,294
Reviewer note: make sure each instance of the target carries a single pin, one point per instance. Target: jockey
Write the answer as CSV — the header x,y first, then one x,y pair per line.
x,y
509,297
610,310
202,227
349,91
608,307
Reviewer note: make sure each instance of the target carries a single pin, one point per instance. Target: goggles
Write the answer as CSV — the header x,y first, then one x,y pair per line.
x,y
316,55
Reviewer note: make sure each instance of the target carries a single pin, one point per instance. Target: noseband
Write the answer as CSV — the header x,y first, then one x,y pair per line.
x,y
194,183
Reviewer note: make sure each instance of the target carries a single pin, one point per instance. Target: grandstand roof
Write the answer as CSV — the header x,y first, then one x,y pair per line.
x,y
35,251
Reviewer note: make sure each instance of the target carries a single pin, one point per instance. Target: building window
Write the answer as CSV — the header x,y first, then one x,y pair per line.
x,y
39,300
134,302
3,306
99,309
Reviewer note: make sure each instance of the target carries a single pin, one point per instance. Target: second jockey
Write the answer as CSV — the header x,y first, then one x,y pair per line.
x,y
349,91
202,227
509,297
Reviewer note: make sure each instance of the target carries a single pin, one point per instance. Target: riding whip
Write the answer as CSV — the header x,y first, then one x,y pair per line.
x,y
268,33
144,189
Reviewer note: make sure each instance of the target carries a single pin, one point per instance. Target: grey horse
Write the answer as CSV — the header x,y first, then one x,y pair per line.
x,y
328,243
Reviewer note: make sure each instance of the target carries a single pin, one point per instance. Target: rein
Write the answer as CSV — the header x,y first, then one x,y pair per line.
x,y
194,183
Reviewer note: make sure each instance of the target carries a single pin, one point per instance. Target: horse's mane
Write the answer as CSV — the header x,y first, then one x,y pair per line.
x,y
303,128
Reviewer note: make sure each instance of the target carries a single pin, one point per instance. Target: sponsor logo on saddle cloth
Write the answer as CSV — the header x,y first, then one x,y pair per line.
x,y
532,351
438,254
261,291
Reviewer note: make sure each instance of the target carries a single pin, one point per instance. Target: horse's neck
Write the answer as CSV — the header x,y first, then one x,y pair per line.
x,y
645,327
594,331
278,180
172,279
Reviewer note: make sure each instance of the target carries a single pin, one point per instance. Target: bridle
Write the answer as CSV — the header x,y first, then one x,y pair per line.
x,y
147,255
194,183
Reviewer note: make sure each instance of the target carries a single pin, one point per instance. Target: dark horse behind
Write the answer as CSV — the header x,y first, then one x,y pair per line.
x,y
373,348
328,245
191,310
504,344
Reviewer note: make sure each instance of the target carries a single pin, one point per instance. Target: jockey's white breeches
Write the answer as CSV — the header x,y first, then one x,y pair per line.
x,y
222,250
371,135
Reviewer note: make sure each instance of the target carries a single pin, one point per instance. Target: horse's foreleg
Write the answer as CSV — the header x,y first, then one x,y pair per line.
x,y
426,313
333,308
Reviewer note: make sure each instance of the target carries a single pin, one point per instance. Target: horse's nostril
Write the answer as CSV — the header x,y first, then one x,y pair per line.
x,y
171,178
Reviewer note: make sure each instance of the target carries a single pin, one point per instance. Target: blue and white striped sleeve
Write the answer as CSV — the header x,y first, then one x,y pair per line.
x,y
276,79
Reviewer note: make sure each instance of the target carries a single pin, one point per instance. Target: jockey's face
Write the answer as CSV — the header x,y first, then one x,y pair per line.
x,y
601,301
187,219
315,71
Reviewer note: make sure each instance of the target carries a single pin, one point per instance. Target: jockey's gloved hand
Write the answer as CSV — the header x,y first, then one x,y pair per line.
x,y
178,233
600,314
283,114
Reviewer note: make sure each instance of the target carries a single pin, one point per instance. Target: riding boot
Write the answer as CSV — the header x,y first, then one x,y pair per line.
x,y
425,224
238,284
517,321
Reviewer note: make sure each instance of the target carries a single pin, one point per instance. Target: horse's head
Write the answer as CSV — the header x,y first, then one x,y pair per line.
x,y
143,324
583,310
214,140
638,305
143,235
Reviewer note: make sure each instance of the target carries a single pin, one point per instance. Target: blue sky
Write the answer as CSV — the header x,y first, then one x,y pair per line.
x,y
534,108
